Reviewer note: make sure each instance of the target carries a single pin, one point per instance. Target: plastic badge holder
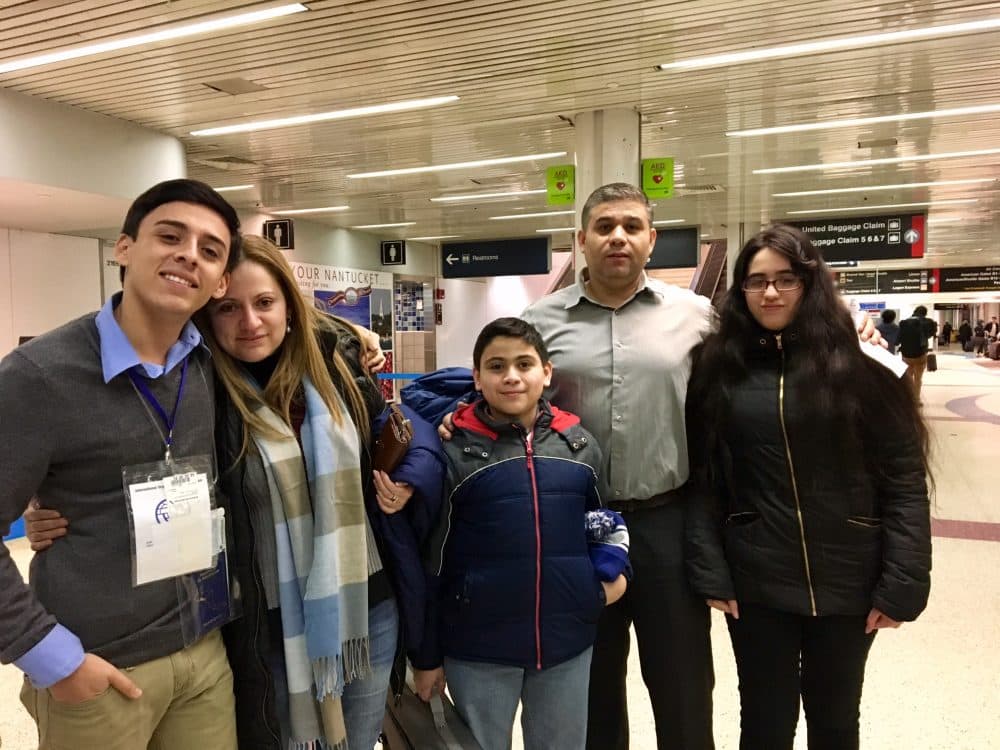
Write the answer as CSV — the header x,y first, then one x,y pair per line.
x,y
176,531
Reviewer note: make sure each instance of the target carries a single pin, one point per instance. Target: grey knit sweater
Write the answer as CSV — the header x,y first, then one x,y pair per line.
x,y
65,436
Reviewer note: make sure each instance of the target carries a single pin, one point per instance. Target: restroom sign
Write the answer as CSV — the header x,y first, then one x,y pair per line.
x,y
281,232
393,252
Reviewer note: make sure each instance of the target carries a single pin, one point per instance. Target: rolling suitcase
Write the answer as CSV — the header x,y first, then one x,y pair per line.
x,y
932,362
993,350
411,724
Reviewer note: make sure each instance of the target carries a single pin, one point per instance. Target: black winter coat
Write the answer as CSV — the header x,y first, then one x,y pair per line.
x,y
248,638
801,523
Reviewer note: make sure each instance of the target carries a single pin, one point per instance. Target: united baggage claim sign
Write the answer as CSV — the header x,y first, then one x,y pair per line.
x,y
867,238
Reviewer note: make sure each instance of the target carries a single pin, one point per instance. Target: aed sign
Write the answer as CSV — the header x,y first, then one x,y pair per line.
x,y
867,237
658,177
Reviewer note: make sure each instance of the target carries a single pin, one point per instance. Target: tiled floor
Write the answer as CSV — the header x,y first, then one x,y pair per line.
x,y
933,684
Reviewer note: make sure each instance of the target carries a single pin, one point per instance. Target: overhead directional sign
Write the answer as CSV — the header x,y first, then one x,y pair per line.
x,y
903,281
460,260
867,237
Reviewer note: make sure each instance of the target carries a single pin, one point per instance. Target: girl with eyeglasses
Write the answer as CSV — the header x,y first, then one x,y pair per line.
x,y
809,524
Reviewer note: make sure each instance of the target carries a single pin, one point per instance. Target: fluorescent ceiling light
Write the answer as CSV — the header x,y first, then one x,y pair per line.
x,y
532,216
385,226
832,45
323,210
339,114
664,222
458,165
231,188
484,196
438,237
887,205
556,230
872,188
861,164
946,220
860,121
201,27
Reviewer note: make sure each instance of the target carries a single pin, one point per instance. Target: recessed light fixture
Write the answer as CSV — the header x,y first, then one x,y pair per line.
x,y
863,163
217,23
438,237
861,121
887,205
321,210
231,188
556,230
339,114
385,226
532,216
704,235
664,222
872,188
484,196
832,45
458,165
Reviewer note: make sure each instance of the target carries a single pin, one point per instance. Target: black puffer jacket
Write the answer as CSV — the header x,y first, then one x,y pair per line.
x,y
799,521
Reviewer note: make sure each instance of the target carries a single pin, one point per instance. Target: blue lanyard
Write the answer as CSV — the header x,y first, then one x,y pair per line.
x,y
140,385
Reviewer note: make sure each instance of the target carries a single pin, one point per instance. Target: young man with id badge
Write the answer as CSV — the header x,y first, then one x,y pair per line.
x,y
108,420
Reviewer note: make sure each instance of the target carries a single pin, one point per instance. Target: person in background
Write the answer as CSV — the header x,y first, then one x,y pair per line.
x,y
993,329
979,340
946,330
809,525
109,664
914,333
518,591
965,336
313,651
889,330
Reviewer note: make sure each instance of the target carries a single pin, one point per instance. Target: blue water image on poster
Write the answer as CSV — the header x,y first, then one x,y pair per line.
x,y
352,304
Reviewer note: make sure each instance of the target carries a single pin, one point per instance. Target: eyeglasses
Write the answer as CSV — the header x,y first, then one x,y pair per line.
x,y
783,282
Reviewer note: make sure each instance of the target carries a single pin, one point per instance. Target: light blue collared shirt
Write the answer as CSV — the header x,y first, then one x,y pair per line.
x,y
60,653
118,355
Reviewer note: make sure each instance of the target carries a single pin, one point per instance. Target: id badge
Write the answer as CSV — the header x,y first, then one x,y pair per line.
x,y
208,598
169,505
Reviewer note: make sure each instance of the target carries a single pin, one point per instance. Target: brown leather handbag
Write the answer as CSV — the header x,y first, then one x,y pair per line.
x,y
394,440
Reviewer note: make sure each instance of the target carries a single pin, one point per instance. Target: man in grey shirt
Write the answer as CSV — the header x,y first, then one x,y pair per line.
x,y
620,344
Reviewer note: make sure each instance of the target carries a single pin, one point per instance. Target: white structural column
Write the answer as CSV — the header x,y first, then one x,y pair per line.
x,y
607,150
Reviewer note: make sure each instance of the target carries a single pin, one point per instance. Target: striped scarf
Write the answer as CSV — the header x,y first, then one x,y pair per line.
x,y
325,554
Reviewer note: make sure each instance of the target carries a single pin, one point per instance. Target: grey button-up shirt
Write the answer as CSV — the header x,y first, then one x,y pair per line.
x,y
624,372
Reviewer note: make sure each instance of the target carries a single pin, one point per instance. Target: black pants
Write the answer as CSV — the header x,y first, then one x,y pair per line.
x,y
675,650
780,656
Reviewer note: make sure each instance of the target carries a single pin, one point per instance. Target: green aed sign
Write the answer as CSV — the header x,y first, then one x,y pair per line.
x,y
658,177
560,185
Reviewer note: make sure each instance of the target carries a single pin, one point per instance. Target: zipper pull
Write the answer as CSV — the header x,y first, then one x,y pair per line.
x,y
777,338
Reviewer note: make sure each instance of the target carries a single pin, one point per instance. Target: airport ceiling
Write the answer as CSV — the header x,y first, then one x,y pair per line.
x,y
522,71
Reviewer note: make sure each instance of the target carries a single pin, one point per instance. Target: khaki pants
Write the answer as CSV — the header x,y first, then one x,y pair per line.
x,y
915,372
187,703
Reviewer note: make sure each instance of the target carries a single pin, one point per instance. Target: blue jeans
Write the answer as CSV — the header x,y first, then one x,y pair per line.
x,y
363,701
553,702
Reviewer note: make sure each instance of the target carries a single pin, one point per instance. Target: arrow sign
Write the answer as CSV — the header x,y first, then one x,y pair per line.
x,y
495,258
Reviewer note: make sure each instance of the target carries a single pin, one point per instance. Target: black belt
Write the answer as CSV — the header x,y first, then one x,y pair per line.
x,y
656,501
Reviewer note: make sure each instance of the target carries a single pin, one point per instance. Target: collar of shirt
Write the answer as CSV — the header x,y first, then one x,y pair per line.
x,y
582,294
118,354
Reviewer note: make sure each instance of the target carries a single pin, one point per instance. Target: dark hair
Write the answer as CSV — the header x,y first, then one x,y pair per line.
x,y
614,193
843,381
888,316
514,328
184,191
920,311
